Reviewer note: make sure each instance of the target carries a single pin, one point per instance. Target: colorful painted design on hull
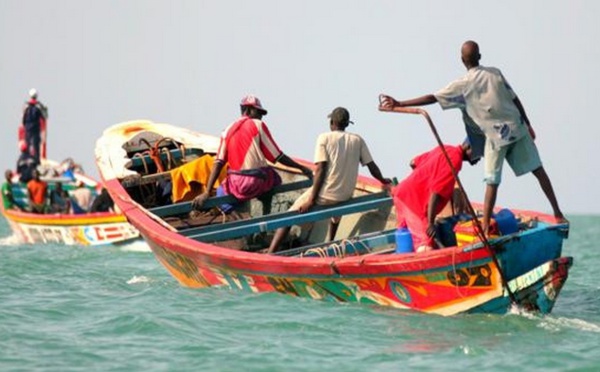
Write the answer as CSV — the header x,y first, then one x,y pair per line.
x,y
446,281
101,234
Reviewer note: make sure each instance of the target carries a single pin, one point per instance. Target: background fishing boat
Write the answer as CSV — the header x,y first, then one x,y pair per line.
x,y
86,228
138,160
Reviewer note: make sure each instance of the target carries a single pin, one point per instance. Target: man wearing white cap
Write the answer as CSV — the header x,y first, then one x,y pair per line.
x,y
34,122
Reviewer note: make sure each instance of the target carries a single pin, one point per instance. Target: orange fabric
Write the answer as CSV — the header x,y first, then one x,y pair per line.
x,y
188,180
37,191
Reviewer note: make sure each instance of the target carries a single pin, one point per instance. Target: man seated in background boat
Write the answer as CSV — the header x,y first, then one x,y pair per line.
x,y
246,145
37,191
103,202
427,190
8,199
59,199
25,164
81,198
337,156
486,98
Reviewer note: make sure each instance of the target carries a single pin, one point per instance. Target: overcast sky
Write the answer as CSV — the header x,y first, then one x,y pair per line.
x,y
188,63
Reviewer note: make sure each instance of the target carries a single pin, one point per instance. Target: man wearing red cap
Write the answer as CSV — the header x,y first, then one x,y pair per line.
x,y
246,145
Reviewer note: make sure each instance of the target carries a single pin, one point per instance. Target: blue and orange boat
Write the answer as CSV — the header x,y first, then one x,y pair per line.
x,y
138,160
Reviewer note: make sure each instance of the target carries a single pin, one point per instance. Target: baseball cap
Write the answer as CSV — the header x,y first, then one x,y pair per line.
x,y
340,115
253,101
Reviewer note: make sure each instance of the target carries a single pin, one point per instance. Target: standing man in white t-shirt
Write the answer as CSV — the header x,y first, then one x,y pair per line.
x,y
337,156
487,99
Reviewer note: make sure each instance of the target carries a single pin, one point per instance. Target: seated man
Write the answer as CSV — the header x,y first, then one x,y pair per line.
x,y
59,200
37,190
246,146
103,202
424,193
8,199
81,198
337,156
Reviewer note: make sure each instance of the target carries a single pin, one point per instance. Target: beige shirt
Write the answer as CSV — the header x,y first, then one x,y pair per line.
x,y
343,152
83,197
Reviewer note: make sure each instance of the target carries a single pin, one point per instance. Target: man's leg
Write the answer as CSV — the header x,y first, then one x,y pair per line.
x,y
280,234
334,223
491,191
544,180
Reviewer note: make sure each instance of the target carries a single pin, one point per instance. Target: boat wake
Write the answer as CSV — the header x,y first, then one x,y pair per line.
x,y
554,324
138,279
135,246
10,240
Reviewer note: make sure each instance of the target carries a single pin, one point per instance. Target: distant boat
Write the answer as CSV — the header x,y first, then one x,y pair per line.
x,y
89,229
210,248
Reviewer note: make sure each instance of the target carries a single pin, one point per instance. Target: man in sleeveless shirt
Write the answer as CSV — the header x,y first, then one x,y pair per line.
x,y
246,145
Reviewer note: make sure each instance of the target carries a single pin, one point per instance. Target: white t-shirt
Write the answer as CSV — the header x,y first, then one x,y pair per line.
x,y
343,152
488,100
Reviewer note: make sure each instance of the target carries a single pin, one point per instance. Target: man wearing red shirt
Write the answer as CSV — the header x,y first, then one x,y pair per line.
x,y
246,145
37,193
425,192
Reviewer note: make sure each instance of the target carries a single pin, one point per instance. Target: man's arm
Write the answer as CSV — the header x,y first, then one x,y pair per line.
x,y
214,174
318,182
434,200
286,160
521,109
389,102
376,173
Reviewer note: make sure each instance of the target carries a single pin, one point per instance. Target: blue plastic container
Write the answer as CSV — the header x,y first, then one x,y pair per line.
x,y
404,242
506,221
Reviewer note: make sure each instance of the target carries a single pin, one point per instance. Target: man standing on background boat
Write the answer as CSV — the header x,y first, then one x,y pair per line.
x,y
246,145
487,99
421,196
34,122
337,156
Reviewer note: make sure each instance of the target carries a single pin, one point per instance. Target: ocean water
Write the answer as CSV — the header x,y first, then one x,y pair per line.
x,y
117,309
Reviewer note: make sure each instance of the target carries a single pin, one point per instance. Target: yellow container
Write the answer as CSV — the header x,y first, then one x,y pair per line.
x,y
466,232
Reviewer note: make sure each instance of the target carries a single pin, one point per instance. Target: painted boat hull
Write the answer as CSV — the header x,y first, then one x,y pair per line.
x,y
88,229
446,282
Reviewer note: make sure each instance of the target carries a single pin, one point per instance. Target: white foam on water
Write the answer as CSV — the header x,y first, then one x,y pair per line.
x,y
11,240
138,279
553,324
135,246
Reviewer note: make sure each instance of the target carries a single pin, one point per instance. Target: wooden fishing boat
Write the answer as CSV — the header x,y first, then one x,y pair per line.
x,y
209,248
90,229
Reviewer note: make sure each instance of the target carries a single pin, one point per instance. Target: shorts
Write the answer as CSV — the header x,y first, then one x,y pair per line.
x,y
522,156
320,201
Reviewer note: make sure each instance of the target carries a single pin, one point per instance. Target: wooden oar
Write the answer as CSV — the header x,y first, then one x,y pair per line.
x,y
477,224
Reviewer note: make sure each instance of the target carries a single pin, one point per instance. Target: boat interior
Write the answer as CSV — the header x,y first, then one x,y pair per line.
x,y
368,220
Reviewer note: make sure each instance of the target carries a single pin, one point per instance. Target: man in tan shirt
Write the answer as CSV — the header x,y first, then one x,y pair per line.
x,y
337,156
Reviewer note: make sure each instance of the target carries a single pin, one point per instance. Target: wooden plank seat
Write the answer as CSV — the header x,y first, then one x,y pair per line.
x,y
237,229
367,242
186,207
139,161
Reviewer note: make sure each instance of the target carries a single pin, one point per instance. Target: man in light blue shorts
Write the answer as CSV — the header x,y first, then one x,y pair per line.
x,y
487,100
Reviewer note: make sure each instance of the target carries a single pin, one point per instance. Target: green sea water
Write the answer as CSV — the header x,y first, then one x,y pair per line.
x,y
117,309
